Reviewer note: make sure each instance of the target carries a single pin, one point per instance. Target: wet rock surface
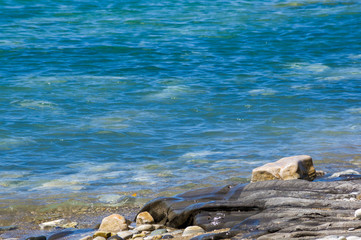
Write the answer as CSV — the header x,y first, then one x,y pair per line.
x,y
294,209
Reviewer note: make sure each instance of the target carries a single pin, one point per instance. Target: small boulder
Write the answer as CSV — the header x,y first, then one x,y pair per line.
x,y
144,218
192,230
295,167
102,234
113,223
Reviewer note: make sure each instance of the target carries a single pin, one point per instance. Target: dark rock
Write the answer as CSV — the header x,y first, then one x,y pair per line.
x,y
37,238
266,210
60,235
168,236
8,228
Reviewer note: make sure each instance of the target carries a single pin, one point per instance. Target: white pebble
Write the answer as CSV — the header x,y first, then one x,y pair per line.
x,y
353,238
358,213
54,223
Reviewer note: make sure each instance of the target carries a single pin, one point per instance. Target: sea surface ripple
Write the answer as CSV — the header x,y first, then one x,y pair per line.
x,y
104,99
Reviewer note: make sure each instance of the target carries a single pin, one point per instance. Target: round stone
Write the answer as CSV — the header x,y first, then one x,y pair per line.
x,y
358,213
113,223
192,230
144,218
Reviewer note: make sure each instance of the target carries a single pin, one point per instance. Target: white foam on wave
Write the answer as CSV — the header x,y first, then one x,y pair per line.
x,y
77,181
309,67
199,154
302,87
35,104
13,142
354,56
122,120
263,91
342,74
356,110
36,81
170,92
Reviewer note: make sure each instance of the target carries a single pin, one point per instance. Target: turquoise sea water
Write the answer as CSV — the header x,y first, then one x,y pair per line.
x,y
103,99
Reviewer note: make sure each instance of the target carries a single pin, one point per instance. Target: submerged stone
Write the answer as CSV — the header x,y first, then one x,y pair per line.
x,y
51,224
343,173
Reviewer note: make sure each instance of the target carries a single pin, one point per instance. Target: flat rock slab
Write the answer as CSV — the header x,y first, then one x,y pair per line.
x,y
294,209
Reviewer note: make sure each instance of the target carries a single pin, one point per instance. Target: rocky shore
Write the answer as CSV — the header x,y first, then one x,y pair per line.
x,y
287,199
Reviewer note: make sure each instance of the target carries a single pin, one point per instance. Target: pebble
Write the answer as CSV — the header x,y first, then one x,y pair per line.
x,y
192,230
99,238
87,238
103,234
358,213
158,226
113,223
144,218
115,237
51,224
70,225
346,172
139,235
168,236
176,232
158,232
125,234
144,227
333,237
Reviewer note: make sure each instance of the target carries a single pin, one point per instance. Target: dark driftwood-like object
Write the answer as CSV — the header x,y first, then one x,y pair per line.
x,y
266,210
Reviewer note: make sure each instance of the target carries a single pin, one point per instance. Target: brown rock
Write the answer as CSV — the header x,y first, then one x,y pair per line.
x,y
102,234
295,167
113,223
144,218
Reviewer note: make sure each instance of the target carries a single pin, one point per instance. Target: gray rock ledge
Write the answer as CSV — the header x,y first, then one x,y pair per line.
x,y
294,209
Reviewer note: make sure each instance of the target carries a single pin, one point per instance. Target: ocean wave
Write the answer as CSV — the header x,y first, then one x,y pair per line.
x,y
13,142
263,92
199,154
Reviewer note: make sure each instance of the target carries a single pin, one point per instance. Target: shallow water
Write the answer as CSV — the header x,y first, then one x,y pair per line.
x,y
109,101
